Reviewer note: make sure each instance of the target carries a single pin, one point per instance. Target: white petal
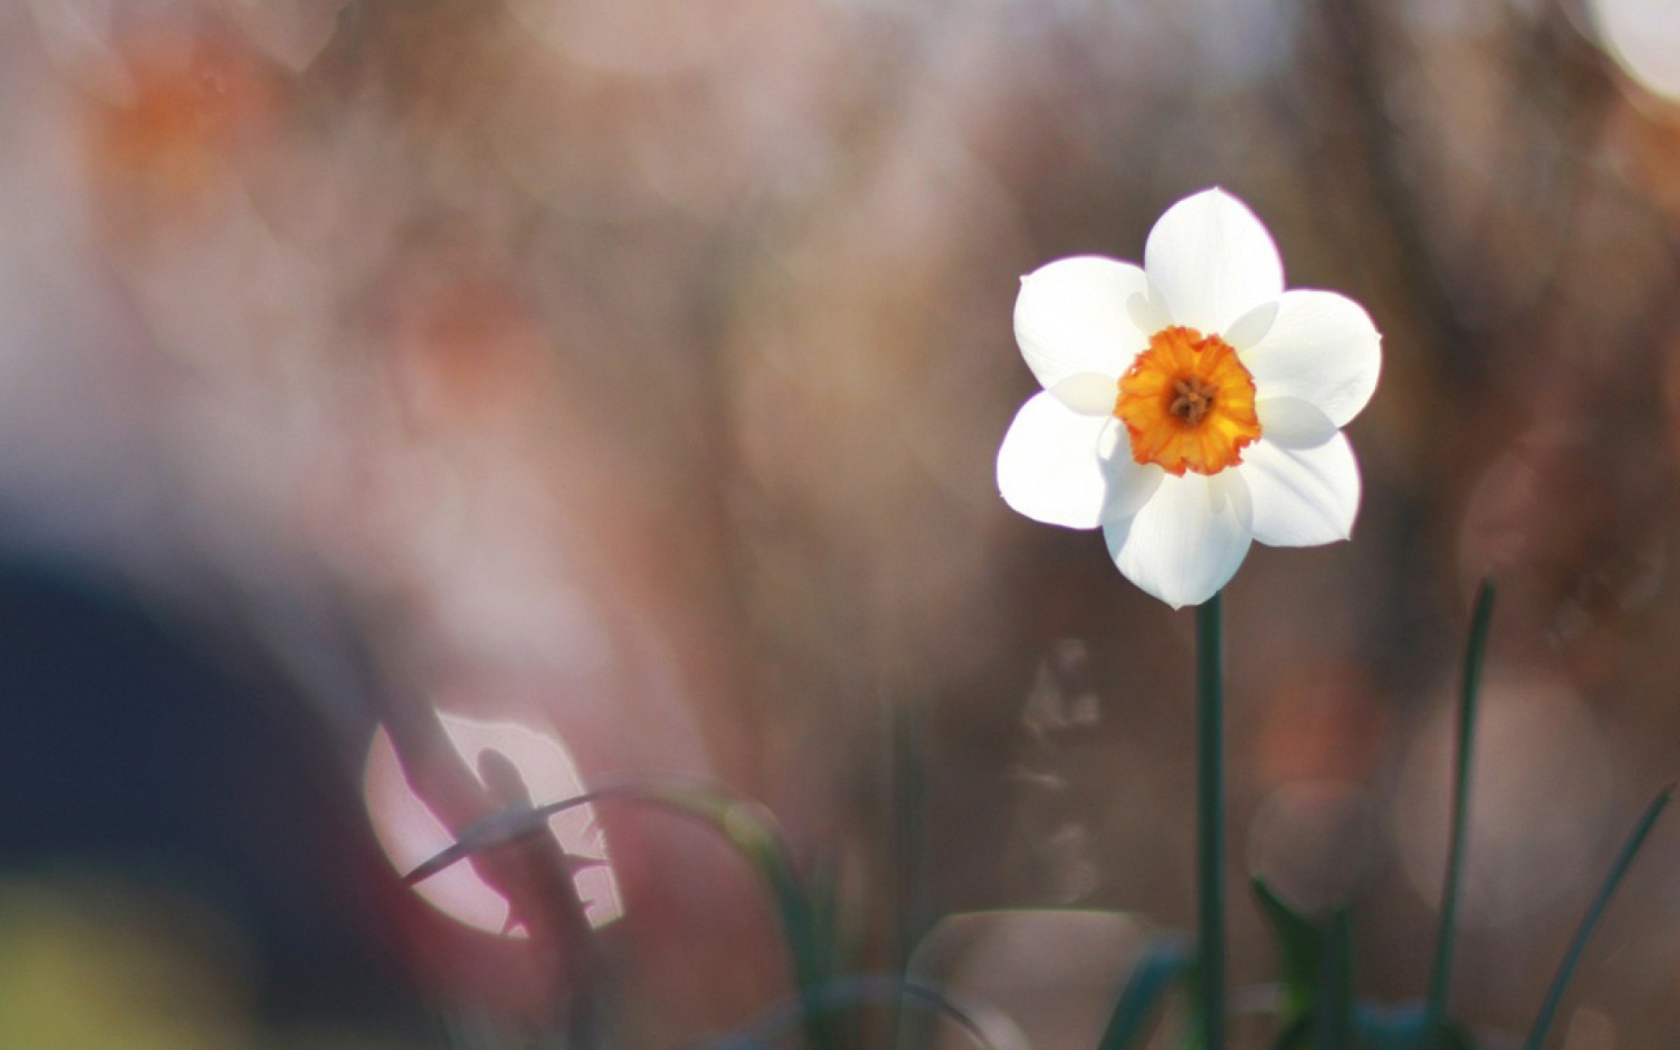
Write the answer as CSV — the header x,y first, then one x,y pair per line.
x,y
1064,468
1088,393
1148,311
1292,423
1051,467
1302,497
1252,327
1322,349
1188,540
1073,315
1212,261
1130,483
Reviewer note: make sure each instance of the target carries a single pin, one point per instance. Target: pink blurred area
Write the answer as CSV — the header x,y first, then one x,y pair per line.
x,y
632,373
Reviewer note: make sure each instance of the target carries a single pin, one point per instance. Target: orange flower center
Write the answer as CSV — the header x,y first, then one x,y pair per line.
x,y
1188,403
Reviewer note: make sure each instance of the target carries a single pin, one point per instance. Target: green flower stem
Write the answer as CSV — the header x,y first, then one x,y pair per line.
x,y
1210,820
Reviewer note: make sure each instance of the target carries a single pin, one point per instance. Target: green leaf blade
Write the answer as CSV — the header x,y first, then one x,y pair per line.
x,y
1475,655
1163,964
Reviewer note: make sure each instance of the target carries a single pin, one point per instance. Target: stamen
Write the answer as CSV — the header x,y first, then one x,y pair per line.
x,y
1194,400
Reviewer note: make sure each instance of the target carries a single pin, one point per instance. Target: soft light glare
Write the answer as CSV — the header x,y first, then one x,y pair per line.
x,y
1539,798
1313,841
410,832
1644,38
1040,979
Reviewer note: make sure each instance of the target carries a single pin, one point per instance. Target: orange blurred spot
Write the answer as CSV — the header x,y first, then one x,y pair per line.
x,y
191,100
469,350
1323,725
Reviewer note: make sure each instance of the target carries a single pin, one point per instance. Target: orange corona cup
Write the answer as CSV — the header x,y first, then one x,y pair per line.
x,y
1188,403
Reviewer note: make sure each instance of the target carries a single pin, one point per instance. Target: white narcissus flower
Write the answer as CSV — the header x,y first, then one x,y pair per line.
x,y
1190,406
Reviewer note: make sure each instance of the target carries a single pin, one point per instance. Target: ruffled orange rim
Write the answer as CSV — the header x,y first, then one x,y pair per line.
x,y
1188,403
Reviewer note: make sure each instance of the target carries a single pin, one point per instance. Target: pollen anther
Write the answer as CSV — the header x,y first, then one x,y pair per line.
x,y
1193,400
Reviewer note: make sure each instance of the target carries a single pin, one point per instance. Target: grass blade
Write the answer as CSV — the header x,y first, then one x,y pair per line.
x,y
1333,1010
1317,963
1572,958
843,993
749,827
1475,652
1300,949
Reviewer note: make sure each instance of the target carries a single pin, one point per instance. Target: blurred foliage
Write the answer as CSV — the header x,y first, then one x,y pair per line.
x,y
635,371
92,960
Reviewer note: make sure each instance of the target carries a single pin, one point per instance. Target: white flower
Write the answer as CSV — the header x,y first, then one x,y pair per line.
x,y
1190,406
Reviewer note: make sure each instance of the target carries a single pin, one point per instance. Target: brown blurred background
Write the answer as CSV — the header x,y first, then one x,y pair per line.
x,y
630,375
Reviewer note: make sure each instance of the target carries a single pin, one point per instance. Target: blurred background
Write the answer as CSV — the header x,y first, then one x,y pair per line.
x,y
409,406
